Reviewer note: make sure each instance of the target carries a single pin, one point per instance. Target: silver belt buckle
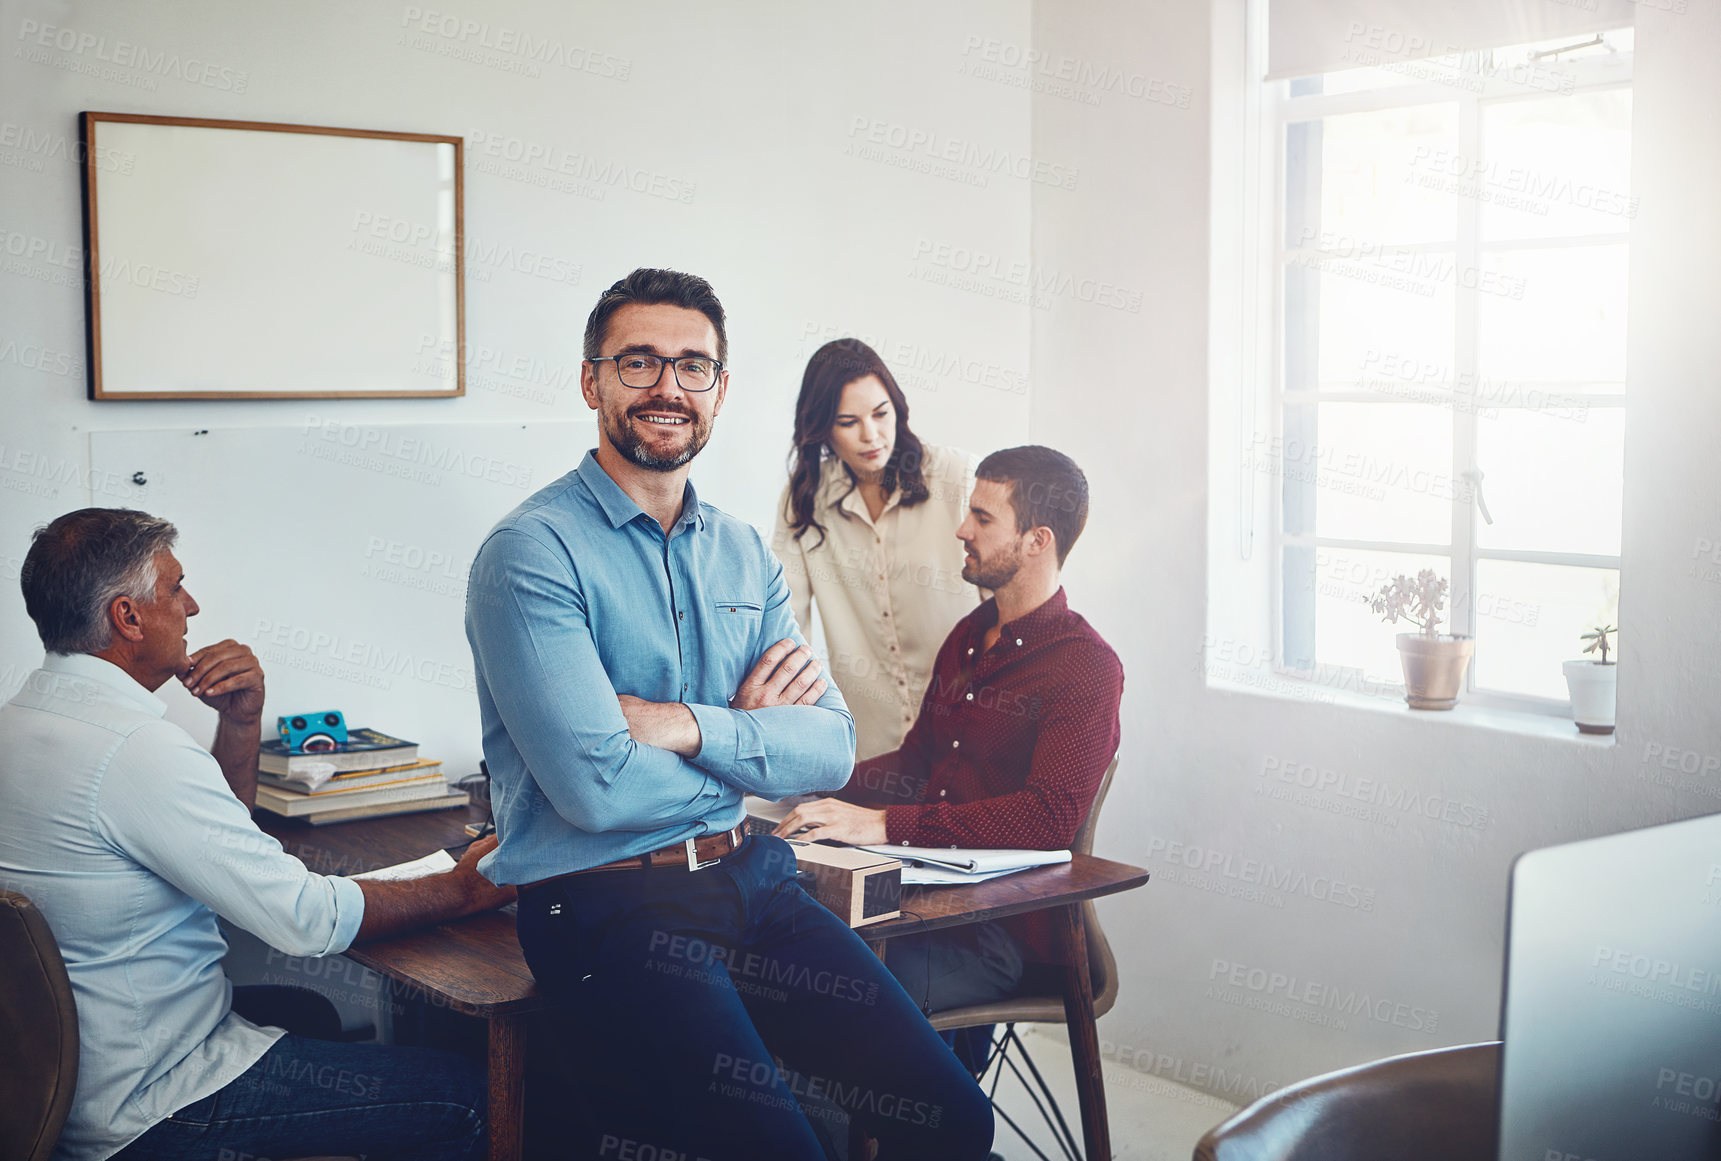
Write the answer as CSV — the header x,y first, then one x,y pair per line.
x,y
693,863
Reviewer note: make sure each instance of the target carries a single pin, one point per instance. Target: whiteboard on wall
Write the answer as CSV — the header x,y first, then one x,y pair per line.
x,y
242,259
339,553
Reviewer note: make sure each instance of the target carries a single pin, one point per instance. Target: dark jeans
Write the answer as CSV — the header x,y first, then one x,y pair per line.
x,y
974,964
315,1097
698,1010
978,963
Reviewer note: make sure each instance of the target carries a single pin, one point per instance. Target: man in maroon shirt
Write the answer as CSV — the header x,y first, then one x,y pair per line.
x,y
1014,734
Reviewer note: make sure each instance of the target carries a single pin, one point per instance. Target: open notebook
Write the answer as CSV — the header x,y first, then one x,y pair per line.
x,y
927,866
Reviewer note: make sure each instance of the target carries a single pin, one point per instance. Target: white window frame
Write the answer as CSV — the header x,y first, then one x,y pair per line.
x,y
1276,109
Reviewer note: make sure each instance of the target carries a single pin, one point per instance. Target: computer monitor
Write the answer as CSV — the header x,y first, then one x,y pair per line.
x,y
1612,1013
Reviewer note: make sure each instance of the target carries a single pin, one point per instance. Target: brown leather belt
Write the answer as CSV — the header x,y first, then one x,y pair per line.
x,y
693,855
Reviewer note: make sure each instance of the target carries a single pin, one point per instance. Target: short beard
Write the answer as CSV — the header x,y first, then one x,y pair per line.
x,y
995,575
625,440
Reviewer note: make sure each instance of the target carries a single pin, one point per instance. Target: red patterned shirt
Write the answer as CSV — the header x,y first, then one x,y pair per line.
x,y
1010,745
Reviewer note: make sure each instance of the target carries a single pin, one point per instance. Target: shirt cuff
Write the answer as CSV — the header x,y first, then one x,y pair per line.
x,y
727,737
900,823
349,913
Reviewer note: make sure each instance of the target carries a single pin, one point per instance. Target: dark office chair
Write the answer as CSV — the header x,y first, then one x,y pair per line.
x,y
1047,1009
1427,1106
38,1033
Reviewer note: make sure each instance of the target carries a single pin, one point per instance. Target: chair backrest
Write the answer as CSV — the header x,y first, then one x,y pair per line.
x,y
1084,844
1427,1106
38,1033
1102,964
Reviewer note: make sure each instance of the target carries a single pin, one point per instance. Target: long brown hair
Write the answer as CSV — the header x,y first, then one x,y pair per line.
x,y
833,367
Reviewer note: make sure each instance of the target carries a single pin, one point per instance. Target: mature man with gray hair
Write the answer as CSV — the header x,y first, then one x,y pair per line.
x,y
131,838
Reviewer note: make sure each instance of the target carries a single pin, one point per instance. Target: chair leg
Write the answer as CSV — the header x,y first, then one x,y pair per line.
x,y
1053,1116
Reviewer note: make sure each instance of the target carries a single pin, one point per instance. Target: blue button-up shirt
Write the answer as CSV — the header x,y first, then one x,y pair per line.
x,y
577,596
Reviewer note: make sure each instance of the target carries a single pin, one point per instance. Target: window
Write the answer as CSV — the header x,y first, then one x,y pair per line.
x,y
1448,382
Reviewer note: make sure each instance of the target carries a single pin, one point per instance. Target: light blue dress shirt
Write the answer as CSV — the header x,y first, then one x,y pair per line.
x,y
124,833
578,595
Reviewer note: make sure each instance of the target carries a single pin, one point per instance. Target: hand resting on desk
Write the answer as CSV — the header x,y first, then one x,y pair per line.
x,y
399,905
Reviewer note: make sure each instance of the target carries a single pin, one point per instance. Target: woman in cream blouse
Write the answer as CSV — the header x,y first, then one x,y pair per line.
x,y
866,528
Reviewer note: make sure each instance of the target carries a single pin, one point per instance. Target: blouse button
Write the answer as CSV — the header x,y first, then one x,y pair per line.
x,y
1018,640
942,793
955,744
970,651
970,697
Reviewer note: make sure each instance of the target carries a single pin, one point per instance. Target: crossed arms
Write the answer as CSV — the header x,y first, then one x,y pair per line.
x,y
609,761
787,674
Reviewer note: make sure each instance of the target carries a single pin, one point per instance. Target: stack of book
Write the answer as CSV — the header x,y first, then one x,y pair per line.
x,y
375,774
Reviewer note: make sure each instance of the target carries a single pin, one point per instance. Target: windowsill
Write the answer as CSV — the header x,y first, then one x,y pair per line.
x,y
1520,722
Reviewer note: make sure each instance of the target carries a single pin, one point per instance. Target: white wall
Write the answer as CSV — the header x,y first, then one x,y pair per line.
x,y
759,115
1420,918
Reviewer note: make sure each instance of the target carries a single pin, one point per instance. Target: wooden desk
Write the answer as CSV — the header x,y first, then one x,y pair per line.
x,y
475,966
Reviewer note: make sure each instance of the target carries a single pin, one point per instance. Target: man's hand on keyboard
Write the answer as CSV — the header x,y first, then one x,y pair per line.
x,y
831,818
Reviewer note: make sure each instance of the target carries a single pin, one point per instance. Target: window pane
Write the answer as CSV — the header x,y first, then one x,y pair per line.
x,y
1530,618
1553,166
1552,478
1553,316
1347,633
1381,471
1370,312
1368,163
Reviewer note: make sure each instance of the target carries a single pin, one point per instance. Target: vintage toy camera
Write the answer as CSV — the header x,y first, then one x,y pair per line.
x,y
309,733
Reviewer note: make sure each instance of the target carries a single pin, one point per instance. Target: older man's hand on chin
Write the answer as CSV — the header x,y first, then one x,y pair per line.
x,y
228,678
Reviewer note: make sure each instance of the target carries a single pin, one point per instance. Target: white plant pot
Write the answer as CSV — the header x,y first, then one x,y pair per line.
x,y
1592,685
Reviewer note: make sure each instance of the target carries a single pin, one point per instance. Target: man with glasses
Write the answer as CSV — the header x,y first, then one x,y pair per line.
x,y
638,671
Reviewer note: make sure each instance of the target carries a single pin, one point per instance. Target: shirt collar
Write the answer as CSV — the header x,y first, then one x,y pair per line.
x,y
619,508
107,674
833,481
838,489
1032,627
1040,621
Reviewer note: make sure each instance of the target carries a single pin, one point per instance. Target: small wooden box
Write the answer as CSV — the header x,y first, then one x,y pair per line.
x,y
860,887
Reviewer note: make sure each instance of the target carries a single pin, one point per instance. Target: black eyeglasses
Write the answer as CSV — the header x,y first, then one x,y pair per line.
x,y
639,371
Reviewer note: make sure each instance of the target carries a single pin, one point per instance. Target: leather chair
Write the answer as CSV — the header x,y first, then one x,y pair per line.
x,y
1427,1106
1102,965
38,1033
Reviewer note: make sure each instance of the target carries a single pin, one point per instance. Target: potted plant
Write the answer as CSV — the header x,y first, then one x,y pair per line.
x,y
1434,662
1593,684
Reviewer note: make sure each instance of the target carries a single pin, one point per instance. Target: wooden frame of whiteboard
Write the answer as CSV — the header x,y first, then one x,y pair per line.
x,y
449,341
